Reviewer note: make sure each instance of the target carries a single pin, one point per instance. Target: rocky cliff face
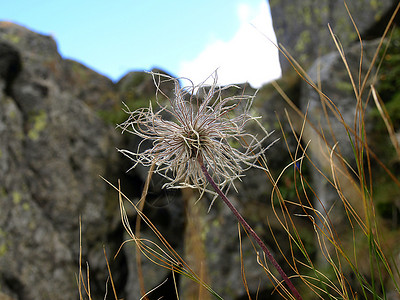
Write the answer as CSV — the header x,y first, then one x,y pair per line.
x,y
57,135
53,149
302,26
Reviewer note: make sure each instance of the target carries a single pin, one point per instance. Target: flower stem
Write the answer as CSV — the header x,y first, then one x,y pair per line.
x,y
243,222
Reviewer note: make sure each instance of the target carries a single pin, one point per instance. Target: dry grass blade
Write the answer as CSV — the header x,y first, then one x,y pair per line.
x,y
109,274
153,289
137,229
362,222
86,286
386,118
162,255
242,269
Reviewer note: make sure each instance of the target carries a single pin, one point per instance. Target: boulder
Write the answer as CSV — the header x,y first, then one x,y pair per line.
x,y
53,149
302,26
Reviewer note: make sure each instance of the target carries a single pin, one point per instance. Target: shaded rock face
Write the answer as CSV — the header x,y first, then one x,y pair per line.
x,y
302,26
53,148
333,78
331,74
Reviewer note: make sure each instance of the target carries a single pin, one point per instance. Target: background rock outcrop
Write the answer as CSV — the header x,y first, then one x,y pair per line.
x,y
53,149
326,95
302,26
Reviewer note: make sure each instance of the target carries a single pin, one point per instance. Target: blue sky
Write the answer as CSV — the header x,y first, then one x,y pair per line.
x,y
185,38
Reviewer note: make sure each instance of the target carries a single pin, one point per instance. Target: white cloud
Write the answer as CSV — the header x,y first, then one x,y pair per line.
x,y
248,57
243,11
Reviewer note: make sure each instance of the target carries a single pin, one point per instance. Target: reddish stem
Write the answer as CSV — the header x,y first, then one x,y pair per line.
x,y
249,229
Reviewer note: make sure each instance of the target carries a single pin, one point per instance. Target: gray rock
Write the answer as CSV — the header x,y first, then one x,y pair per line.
x,y
335,83
53,149
302,26
330,73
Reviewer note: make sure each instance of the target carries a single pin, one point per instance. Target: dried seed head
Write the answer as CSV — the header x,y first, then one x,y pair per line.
x,y
190,125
